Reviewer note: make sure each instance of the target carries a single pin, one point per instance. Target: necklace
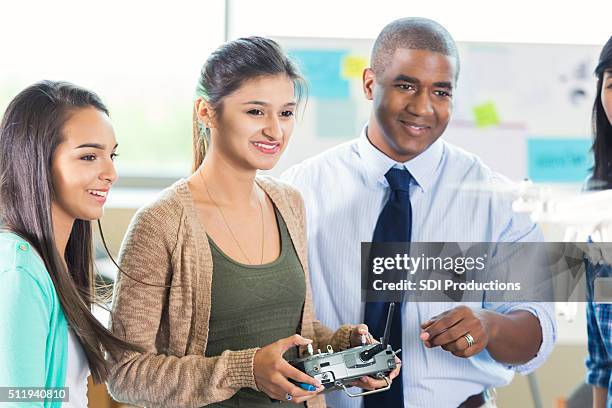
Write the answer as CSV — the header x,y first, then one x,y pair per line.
x,y
230,229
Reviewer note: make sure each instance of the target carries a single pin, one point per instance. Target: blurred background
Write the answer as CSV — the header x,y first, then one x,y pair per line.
x,y
523,101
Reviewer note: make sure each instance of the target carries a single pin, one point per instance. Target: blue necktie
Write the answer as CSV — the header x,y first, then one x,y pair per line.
x,y
394,225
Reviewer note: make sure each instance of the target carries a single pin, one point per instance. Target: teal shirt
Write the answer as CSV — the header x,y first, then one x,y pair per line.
x,y
34,331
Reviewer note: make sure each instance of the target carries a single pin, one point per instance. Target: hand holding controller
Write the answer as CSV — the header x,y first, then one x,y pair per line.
x,y
360,336
274,375
354,366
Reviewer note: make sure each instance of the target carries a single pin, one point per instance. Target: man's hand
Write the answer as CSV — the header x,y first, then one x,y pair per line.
x,y
450,331
510,338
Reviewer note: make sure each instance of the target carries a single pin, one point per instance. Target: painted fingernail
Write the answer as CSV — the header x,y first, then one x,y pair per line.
x,y
307,387
424,336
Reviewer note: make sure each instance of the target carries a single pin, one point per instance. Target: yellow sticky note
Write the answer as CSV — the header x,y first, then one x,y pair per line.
x,y
486,115
352,66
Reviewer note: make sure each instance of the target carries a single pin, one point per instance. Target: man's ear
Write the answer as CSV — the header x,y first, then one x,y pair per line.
x,y
205,113
368,83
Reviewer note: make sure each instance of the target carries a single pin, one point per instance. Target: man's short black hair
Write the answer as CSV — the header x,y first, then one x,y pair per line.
x,y
414,33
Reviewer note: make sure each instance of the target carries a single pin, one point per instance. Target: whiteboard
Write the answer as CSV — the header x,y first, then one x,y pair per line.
x,y
525,109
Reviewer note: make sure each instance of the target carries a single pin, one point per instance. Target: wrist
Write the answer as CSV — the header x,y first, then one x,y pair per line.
x,y
490,323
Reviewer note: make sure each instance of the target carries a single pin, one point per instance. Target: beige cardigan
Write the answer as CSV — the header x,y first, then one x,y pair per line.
x,y
166,245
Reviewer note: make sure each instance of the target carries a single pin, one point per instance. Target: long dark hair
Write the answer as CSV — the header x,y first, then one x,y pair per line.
x,y
226,70
602,128
30,132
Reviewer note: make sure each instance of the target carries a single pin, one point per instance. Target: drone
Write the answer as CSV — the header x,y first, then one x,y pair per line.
x,y
583,216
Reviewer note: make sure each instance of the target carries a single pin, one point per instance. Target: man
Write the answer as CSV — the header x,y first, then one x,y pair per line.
x,y
452,353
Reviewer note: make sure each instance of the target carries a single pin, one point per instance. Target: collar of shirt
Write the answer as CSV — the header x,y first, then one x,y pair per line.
x,y
422,167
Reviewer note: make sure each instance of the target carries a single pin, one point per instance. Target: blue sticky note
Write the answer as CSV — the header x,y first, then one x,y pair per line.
x,y
336,119
559,160
322,69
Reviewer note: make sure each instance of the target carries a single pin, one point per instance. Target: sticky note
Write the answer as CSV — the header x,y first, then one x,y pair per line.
x,y
352,66
559,159
336,119
322,71
486,115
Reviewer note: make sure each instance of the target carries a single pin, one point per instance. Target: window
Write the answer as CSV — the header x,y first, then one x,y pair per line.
x,y
143,59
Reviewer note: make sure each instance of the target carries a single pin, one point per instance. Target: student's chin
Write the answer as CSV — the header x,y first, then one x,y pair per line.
x,y
267,166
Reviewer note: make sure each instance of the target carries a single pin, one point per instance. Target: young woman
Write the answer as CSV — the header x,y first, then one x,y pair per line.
x,y
57,147
599,315
231,248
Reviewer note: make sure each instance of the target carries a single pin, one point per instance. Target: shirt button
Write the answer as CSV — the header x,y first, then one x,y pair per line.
x,y
23,247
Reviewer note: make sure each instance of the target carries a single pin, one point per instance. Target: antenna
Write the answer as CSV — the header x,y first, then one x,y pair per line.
x,y
382,346
385,339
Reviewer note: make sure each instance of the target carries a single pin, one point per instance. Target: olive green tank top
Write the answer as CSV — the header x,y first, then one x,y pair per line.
x,y
253,306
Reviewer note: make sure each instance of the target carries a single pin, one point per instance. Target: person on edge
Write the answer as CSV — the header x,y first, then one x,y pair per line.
x,y
599,314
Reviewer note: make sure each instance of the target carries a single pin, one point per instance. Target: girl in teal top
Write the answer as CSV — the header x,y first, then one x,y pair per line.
x,y
34,337
57,147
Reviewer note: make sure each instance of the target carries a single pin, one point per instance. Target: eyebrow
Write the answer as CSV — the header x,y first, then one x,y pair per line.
x,y
412,80
261,103
94,146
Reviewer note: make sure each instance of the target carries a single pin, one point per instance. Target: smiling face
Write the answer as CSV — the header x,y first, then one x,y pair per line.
x,y
606,93
255,123
412,102
82,166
